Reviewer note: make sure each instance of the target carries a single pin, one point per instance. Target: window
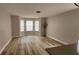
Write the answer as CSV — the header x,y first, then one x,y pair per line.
x,y
21,25
29,25
36,25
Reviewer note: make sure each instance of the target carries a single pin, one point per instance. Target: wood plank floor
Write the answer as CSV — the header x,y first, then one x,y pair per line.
x,y
29,45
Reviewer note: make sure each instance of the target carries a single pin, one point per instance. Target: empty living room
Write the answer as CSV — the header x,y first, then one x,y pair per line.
x,y
39,28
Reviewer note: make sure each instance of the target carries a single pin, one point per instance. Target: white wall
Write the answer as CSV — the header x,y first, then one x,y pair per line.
x,y
64,27
15,26
5,28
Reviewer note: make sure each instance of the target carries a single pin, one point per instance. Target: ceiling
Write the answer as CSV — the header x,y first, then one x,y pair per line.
x,y
29,9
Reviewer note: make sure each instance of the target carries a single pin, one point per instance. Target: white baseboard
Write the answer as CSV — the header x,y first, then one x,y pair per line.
x,y
5,45
65,43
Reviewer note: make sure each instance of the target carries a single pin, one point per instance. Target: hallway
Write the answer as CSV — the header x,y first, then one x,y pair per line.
x,y
29,45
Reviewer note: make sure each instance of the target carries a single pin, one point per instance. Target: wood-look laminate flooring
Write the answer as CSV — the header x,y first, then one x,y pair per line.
x,y
29,45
